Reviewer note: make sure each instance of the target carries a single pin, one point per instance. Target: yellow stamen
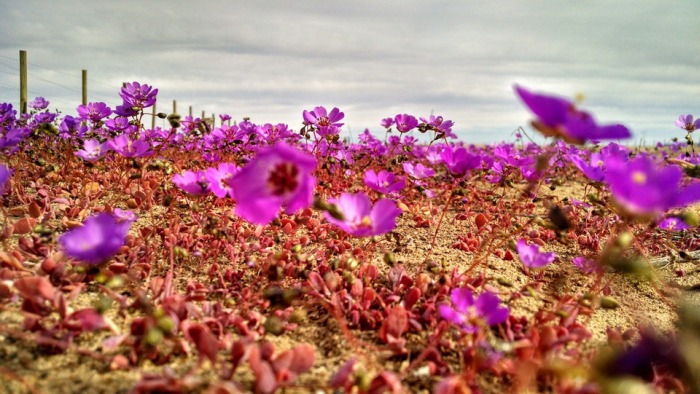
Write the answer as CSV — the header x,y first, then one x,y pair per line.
x,y
639,177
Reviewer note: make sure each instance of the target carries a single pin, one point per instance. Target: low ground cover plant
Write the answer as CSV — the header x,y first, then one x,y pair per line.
x,y
256,257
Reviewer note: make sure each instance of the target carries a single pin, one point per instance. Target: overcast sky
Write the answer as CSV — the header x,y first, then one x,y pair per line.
x,y
637,62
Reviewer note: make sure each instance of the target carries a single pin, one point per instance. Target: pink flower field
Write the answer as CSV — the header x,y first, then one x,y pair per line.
x,y
244,256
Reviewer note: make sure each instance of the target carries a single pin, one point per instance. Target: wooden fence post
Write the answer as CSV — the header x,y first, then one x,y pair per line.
x,y
85,100
153,117
23,82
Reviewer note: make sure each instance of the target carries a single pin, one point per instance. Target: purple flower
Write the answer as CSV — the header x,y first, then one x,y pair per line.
x,y
279,176
387,122
11,138
405,122
277,132
119,123
671,223
438,124
686,123
93,150
71,126
5,174
512,156
125,215
458,161
586,265
593,169
94,111
192,182
360,218
39,103
531,256
469,314
138,96
98,239
7,115
384,182
45,117
558,117
220,179
418,171
125,110
327,123
643,188
127,147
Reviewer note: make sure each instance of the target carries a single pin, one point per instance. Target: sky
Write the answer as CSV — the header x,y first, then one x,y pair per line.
x,y
635,62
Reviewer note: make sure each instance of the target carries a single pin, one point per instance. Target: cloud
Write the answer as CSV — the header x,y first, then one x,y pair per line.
x,y
271,60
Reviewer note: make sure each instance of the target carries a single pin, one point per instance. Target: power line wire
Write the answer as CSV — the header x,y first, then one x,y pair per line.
x,y
54,83
9,66
54,70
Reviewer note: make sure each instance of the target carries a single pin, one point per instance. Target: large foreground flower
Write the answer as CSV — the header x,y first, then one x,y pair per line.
x,y
98,239
558,117
279,176
469,313
360,218
644,188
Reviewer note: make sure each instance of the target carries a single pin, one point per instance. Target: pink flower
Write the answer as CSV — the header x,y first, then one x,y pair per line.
x,y
418,171
94,111
327,123
405,122
686,123
531,256
360,218
558,117
92,150
279,176
127,147
387,122
99,238
458,161
469,313
220,179
384,182
192,182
